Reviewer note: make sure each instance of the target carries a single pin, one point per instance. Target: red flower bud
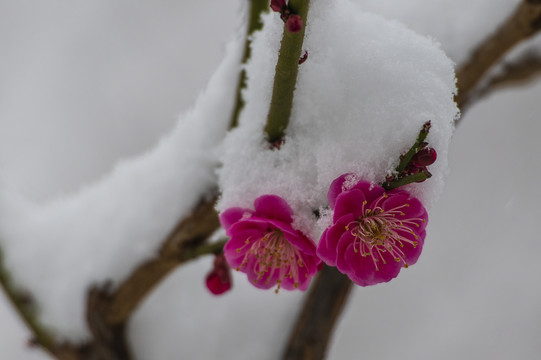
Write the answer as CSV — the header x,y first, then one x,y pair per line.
x,y
278,5
424,157
218,280
294,23
304,57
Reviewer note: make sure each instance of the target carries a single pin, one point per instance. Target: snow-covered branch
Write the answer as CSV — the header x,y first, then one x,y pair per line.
x,y
354,106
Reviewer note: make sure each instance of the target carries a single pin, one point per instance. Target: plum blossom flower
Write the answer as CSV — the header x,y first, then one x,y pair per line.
x,y
374,233
266,247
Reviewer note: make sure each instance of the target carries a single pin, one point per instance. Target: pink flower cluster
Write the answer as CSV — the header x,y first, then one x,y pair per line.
x,y
373,235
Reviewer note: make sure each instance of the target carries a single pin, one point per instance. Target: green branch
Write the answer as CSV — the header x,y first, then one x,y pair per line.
x,y
418,177
406,158
285,76
402,177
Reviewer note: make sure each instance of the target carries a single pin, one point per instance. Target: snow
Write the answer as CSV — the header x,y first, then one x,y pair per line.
x,y
103,231
473,294
361,98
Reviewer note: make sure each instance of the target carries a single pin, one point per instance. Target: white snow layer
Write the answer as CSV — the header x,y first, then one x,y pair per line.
x,y
60,248
361,98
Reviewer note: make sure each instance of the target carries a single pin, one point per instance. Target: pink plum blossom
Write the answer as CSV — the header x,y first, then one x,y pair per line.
x,y
266,247
374,233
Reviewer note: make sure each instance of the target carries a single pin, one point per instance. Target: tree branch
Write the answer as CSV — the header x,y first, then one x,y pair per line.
x,y
515,73
321,309
108,312
23,304
522,24
191,232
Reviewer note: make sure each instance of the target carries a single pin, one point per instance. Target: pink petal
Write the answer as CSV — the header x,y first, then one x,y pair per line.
x,y
253,222
411,254
349,202
232,215
295,238
345,245
327,247
273,207
370,191
335,189
364,273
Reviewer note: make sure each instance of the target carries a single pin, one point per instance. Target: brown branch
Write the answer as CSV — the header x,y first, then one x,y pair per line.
x,y
191,232
25,307
315,323
108,312
522,24
515,73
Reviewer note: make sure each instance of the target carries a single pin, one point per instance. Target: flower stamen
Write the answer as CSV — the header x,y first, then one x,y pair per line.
x,y
273,253
377,232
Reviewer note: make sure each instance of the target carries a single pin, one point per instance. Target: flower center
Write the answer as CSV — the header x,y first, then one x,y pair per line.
x,y
378,232
275,258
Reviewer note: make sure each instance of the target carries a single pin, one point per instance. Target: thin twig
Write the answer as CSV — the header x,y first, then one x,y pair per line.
x,y
522,24
24,306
